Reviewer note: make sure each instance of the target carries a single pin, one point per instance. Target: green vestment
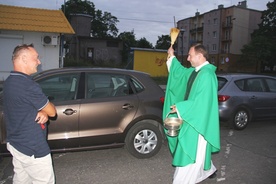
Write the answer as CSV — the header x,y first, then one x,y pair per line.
x,y
199,112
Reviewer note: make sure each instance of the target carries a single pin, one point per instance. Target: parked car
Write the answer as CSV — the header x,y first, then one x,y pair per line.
x,y
101,108
246,97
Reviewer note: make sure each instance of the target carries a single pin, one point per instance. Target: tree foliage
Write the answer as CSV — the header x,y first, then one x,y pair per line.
x,y
261,50
128,38
103,24
144,43
129,41
78,6
163,42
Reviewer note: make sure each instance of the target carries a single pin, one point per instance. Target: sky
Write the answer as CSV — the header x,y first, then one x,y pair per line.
x,y
147,18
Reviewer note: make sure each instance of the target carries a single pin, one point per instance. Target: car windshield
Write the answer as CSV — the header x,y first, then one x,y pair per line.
x,y
221,82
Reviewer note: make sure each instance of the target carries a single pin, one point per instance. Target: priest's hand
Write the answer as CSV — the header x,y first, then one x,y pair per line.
x,y
170,52
173,109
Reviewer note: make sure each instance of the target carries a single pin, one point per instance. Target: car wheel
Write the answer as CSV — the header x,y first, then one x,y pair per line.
x,y
143,140
240,119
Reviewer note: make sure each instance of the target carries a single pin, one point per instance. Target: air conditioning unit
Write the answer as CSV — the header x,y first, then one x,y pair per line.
x,y
50,40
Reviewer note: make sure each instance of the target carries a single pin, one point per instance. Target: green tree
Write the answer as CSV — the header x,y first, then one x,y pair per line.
x,y
261,50
103,24
129,41
78,6
144,43
163,42
128,38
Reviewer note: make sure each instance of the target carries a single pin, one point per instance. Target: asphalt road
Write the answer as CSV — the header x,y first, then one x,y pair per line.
x,y
246,157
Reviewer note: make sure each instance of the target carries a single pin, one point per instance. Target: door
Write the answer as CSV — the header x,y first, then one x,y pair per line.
x,y
271,94
108,108
259,98
61,89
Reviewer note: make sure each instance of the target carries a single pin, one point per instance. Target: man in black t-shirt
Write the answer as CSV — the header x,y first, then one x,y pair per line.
x,y
26,111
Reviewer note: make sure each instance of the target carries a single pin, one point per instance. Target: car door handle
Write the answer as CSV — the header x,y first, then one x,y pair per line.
x,y
127,106
69,111
253,97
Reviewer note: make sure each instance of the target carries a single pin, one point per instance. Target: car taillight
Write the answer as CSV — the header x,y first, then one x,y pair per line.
x,y
223,98
162,99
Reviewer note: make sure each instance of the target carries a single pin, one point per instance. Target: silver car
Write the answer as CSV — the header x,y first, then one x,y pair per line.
x,y
246,97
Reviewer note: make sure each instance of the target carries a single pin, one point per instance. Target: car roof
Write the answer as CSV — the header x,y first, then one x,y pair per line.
x,y
241,75
87,69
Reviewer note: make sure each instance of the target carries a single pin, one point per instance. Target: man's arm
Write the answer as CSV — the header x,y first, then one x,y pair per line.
x,y
170,58
50,109
43,114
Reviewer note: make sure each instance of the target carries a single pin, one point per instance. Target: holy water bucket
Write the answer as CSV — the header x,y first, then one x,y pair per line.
x,y
172,124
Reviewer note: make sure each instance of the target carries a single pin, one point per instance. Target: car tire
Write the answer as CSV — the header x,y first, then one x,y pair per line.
x,y
143,140
240,119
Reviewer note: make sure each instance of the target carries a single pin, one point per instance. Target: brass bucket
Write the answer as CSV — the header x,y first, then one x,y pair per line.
x,y
172,124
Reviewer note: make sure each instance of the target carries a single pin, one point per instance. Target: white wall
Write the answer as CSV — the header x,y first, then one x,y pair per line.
x,y
7,44
48,54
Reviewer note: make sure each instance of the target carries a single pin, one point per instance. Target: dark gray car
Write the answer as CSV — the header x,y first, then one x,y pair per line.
x,y
246,97
101,108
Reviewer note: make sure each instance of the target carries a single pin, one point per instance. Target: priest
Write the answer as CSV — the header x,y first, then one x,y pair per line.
x,y
191,94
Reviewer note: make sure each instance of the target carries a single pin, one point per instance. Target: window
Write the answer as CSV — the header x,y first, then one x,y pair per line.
x,y
226,48
228,20
271,85
214,34
221,82
213,60
240,84
138,87
60,87
215,21
106,85
222,60
255,85
227,35
214,47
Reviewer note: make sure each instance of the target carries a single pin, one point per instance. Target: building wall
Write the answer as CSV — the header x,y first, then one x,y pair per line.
x,y
212,31
225,32
183,41
97,51
48,54
83,47
151,61
240,31
81,23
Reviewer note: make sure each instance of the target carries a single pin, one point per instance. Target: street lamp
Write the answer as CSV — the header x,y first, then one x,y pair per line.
x,y
182,45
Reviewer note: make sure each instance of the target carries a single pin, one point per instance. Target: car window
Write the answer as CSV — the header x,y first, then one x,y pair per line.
x,y
106,85
60,87
221,82
240,84
137,85
255,84
271,85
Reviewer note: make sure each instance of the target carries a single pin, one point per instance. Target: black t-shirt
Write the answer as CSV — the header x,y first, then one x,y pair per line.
x,y
23,98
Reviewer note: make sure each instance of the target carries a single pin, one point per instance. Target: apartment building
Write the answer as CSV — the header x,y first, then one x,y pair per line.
x,y
223,31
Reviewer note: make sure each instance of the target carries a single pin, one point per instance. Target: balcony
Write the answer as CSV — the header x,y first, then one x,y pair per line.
x,y
226,39
227,25
196,30
224,51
